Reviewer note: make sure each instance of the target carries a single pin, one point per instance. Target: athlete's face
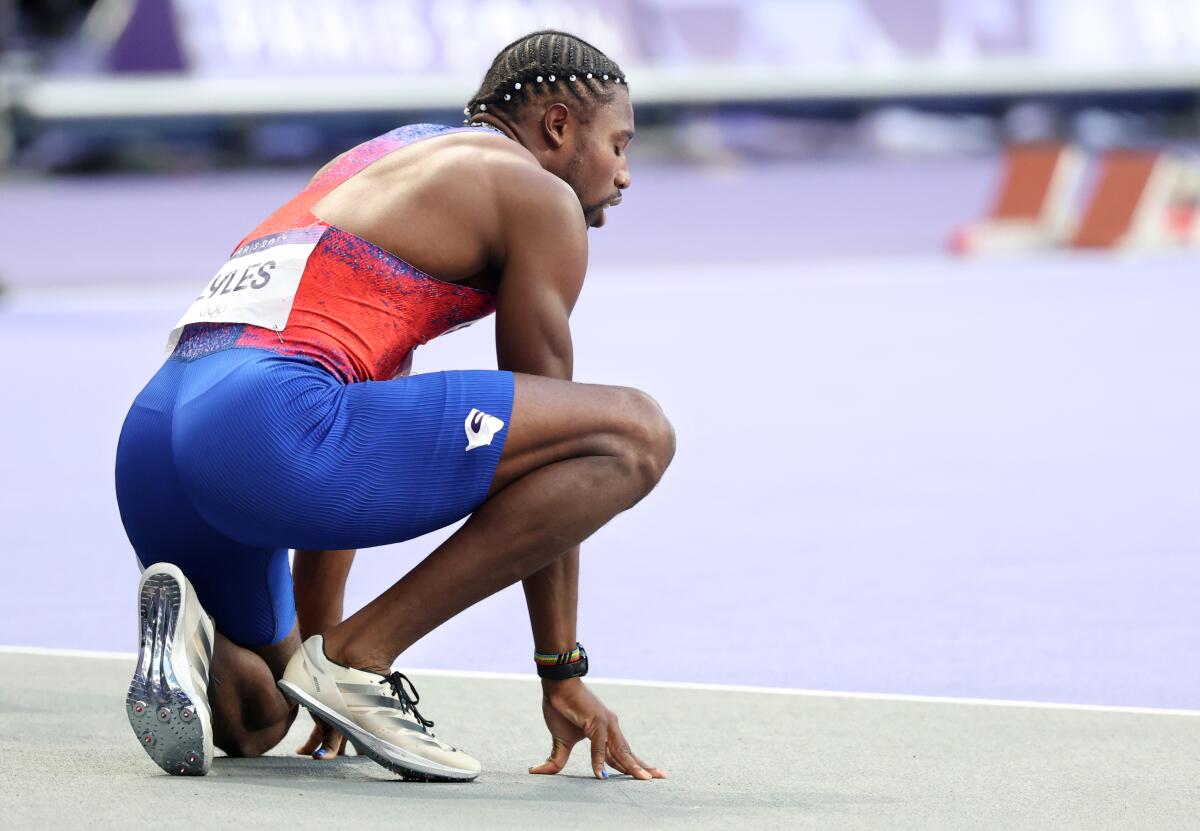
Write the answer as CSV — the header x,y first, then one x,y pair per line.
x,y
599,170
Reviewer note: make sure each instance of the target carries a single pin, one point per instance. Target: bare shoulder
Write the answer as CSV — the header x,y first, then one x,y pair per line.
x,y
325,167
515,173
526,201
462,205
530,194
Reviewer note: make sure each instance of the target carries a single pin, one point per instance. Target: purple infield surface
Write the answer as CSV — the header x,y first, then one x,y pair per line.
x,y
902,474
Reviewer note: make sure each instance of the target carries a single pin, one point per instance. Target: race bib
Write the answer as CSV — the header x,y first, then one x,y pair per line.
x,y
257,285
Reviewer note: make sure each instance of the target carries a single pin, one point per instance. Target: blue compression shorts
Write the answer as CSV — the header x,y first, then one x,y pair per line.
x,y
227,461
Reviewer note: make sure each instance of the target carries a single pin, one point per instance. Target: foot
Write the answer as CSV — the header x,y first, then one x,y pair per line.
x,y
377,713
167,702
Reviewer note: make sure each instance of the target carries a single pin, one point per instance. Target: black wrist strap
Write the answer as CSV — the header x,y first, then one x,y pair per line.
x,y
563,671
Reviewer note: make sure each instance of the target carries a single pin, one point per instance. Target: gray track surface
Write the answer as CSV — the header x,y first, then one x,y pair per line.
x,y
756,760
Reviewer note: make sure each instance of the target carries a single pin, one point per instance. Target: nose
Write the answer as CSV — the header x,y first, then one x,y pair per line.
x,y
622,179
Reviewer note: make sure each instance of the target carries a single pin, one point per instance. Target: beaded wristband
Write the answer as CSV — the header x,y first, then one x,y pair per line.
x,y
552,658
559,666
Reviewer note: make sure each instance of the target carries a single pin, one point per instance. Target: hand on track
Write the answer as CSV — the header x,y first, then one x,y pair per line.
x,y
573,713
323,743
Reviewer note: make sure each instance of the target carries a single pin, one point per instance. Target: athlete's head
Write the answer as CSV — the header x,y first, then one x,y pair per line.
x,y
568,104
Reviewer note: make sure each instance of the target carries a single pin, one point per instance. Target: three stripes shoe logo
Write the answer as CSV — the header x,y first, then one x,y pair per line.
x,y
481,428
365,699
199,653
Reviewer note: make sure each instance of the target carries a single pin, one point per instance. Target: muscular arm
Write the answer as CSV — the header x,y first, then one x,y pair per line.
x,y
544,267
552,597
545,260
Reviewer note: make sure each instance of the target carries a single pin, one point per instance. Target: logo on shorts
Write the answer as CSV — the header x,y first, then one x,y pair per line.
x,y
481,428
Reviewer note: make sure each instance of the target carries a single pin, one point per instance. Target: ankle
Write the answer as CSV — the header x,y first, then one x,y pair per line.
x,y
348,652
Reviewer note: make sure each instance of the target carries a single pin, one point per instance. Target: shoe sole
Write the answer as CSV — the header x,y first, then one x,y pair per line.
x,y
168,723
408,766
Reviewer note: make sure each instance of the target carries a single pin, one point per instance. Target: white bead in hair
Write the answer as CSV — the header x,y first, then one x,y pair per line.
x,y
466,110
572,77
539,79
507,97
517,85
618,80
589,76
482,107
552,79
605,76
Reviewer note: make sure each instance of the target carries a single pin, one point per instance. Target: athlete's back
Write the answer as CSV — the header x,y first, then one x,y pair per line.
x,y
392,244
441,204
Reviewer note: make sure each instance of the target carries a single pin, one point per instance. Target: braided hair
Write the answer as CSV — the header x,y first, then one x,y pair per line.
x,y
541,64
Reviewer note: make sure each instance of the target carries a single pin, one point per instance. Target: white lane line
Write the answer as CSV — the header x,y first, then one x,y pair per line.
x,y
685,685
66,653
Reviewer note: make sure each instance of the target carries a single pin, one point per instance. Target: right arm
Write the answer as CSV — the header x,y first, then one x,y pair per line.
x,y
545,260
544,267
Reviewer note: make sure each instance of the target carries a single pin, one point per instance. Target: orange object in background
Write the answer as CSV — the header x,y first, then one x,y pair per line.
x,y
1142,199
1033,208
1122,200
1028,181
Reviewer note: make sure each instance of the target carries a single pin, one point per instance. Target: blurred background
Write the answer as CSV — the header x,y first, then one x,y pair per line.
x,y
916,280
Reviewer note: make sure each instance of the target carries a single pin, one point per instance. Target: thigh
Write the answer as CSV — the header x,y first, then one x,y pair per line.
x,y
554,420
247,589
269,459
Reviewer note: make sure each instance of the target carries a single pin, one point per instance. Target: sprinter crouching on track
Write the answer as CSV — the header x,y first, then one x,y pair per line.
x,y
284,418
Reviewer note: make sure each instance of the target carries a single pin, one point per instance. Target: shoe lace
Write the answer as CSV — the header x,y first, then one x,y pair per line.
x,y
408,703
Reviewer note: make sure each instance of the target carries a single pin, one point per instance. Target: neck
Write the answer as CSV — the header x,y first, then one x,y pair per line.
x,y
499,124
496,123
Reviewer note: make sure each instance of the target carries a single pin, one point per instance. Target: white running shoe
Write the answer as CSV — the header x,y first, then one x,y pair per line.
x,y
168,696
377,713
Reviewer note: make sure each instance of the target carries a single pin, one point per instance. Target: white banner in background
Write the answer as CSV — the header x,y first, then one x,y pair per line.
x,y
255,38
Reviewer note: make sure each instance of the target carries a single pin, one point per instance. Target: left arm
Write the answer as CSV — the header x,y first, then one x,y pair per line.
x,y
319,586
319,579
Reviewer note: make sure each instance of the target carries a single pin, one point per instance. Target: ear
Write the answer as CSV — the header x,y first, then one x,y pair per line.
x,y
556,123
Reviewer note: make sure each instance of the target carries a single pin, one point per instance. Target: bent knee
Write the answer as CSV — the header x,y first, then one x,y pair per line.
x,y
648,437
244,743
251,745
241,747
